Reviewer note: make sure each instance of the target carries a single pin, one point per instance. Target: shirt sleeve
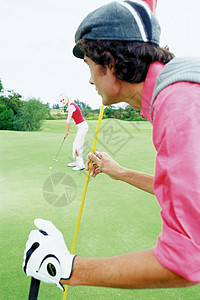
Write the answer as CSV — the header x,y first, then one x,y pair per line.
x,y
71,110
176,130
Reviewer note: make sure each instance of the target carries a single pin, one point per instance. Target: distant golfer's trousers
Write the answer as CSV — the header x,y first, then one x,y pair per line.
x,y
82,129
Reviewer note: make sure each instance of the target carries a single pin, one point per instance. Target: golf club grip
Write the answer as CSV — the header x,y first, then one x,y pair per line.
x,y
34,289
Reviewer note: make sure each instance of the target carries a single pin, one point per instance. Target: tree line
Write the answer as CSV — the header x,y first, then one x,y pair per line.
x,y
16,114
29,115
128,113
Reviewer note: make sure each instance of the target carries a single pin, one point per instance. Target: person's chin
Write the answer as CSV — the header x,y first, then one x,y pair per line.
x,y
108,102
105,101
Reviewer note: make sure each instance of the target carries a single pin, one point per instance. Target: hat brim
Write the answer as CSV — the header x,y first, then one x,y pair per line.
x,y
77,52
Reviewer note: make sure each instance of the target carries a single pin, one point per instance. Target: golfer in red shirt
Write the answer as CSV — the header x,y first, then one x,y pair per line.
x,y
74,112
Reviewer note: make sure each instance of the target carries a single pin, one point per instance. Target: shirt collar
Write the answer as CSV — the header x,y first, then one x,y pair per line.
x,y
149,84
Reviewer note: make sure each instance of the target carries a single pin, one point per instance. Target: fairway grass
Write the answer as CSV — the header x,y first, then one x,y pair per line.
x,y
117,218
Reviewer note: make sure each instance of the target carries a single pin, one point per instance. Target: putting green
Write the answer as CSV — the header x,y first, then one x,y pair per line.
x,y
117,218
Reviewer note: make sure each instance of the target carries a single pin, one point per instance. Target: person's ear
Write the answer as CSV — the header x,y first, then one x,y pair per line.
x,y
112,66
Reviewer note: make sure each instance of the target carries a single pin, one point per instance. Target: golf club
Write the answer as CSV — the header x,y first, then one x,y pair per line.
x,y
34,288
35,283
59,149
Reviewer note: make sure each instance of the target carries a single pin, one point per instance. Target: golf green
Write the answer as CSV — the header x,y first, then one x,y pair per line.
x,y
117,218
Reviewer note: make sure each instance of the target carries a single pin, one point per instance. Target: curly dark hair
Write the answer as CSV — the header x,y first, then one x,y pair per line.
x,y
131,59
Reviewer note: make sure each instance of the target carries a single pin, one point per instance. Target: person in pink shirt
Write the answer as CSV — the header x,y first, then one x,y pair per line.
x,y
120,44
74,112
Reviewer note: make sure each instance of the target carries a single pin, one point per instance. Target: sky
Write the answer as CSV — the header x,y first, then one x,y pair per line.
x,y
37,38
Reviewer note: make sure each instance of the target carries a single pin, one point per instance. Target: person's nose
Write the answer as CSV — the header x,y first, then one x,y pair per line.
x,y
91,81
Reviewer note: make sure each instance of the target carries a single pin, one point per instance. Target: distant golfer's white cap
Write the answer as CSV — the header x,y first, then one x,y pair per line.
x,y
64,98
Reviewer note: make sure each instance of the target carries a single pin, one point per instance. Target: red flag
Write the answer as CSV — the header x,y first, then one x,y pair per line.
x,y
152,4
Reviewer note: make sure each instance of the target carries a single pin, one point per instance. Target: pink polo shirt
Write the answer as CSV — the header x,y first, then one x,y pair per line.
x,y
176,137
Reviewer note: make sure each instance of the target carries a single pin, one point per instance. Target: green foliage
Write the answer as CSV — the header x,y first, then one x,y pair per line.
x,y
56,114
31,116
56,106
82,105
109,112
6,119
130,114
86,112
1,86
12,101
2,107
8,107
49,116
92,117
21,115
127,114
65,108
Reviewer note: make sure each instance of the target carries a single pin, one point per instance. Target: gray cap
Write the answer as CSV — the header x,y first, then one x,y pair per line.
x,y
120,21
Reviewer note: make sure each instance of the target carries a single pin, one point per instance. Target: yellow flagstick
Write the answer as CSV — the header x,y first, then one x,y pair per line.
x,y
85,190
